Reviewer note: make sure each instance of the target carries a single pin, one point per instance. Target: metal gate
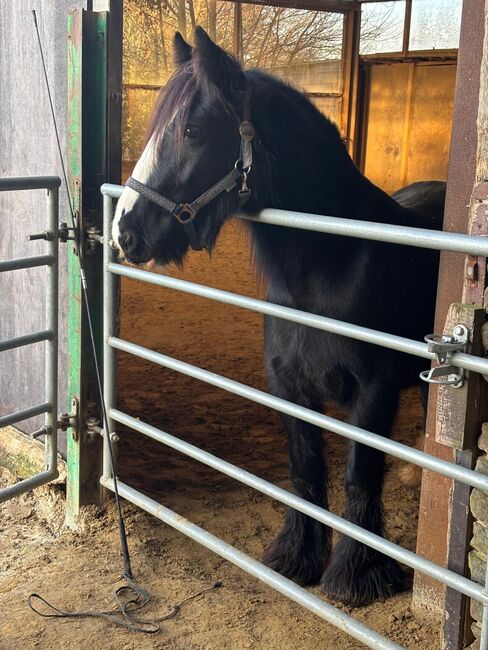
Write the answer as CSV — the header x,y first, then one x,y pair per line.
x,y
49,335
429,350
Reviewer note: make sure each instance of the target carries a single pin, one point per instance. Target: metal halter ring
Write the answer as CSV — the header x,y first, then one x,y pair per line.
x,y
185,209
244,170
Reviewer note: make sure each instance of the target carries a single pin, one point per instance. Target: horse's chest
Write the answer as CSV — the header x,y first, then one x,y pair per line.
x,y
306,360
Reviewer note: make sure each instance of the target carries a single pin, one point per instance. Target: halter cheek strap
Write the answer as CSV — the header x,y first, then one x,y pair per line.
x,y
185,213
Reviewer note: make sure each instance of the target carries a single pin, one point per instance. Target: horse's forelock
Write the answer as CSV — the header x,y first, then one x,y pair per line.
x,y
175,102
173,105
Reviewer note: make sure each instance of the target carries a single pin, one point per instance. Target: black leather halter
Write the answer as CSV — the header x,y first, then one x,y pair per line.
x,y
185,213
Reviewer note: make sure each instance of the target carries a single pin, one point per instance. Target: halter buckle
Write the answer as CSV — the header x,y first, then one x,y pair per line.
x,y
246,130
184,213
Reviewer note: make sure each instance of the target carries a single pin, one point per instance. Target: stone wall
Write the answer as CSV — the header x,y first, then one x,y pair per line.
x,y
479,543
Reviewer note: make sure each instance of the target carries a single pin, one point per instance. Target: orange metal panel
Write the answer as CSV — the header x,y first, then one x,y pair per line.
x,y
409,124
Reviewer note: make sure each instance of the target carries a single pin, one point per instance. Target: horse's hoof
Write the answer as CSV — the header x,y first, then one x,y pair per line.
x,y
303,564
361,578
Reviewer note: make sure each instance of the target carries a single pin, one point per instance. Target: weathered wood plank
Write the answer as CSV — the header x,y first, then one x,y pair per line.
x,y
28,147
456,407
25,457
433,533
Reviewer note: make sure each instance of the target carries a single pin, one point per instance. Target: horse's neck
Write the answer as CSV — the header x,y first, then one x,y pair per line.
x,y
304,166
289,256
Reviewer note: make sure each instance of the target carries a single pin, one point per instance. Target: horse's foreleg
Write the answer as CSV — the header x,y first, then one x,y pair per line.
x,y
302,548
411,475
357,574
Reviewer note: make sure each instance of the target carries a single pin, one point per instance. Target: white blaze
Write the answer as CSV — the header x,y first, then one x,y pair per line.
x,y
142,172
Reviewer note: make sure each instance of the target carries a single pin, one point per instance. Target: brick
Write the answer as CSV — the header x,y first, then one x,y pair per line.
x,y
476,609
480,191
477,566
482,464
483,439
480,537
478,502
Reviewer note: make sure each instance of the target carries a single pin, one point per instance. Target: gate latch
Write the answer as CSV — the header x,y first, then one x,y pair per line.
x,y
444,346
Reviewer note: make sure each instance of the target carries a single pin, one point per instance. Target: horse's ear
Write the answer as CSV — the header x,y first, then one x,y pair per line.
x,y
215,68
181,50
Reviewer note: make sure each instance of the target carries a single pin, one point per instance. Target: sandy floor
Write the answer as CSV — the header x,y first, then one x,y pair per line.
x,y
76,569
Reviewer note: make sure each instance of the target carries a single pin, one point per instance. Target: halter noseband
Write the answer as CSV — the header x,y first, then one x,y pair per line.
x,y
185,213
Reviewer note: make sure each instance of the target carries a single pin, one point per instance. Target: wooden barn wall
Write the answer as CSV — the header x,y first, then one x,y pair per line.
x,y
409,123
27,147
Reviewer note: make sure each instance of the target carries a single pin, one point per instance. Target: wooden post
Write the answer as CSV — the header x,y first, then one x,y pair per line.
x,y
350,74
89,154
212,19
237,33
442,529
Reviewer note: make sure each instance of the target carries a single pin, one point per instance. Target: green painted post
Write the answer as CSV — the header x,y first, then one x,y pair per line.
x,y
87,107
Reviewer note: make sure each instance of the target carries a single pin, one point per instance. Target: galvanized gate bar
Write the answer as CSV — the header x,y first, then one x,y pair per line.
x,y
17,183
331,614
109,328
25,414
368,438
418,237
49,335
332,225
26,339
466,586
406,235
342,328
27,263
27,484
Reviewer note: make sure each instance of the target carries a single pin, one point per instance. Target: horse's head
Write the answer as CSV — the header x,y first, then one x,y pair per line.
x,y
194,141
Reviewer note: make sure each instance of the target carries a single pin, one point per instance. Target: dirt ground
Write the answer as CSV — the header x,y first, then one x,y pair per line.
x,y
76,569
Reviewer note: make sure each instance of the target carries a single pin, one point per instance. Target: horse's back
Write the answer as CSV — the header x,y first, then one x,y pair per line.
x,y
427,199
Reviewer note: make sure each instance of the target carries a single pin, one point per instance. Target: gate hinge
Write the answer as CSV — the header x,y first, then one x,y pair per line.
x,y
93,235
93,429
64,233
444,346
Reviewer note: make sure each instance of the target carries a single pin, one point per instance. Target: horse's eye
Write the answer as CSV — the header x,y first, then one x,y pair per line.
x,y
191,132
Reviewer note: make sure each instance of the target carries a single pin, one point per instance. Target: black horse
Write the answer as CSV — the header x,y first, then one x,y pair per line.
x,y
299,162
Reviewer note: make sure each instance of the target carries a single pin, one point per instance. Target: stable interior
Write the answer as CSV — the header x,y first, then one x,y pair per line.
x,y
398,131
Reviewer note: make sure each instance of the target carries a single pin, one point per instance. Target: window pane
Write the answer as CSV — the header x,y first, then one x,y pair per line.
x,y
304,47
435,24
382,27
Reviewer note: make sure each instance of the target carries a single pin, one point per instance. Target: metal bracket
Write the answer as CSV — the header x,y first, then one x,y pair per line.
x,y
71,420
444,346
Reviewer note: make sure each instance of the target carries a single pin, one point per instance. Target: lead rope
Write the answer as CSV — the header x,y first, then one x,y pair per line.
x,y
130,598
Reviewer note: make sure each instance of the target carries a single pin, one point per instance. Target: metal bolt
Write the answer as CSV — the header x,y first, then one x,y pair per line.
x,y
43,431
46,235
458,330
114,436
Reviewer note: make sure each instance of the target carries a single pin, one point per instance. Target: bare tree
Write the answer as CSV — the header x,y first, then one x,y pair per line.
x,y
292,42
